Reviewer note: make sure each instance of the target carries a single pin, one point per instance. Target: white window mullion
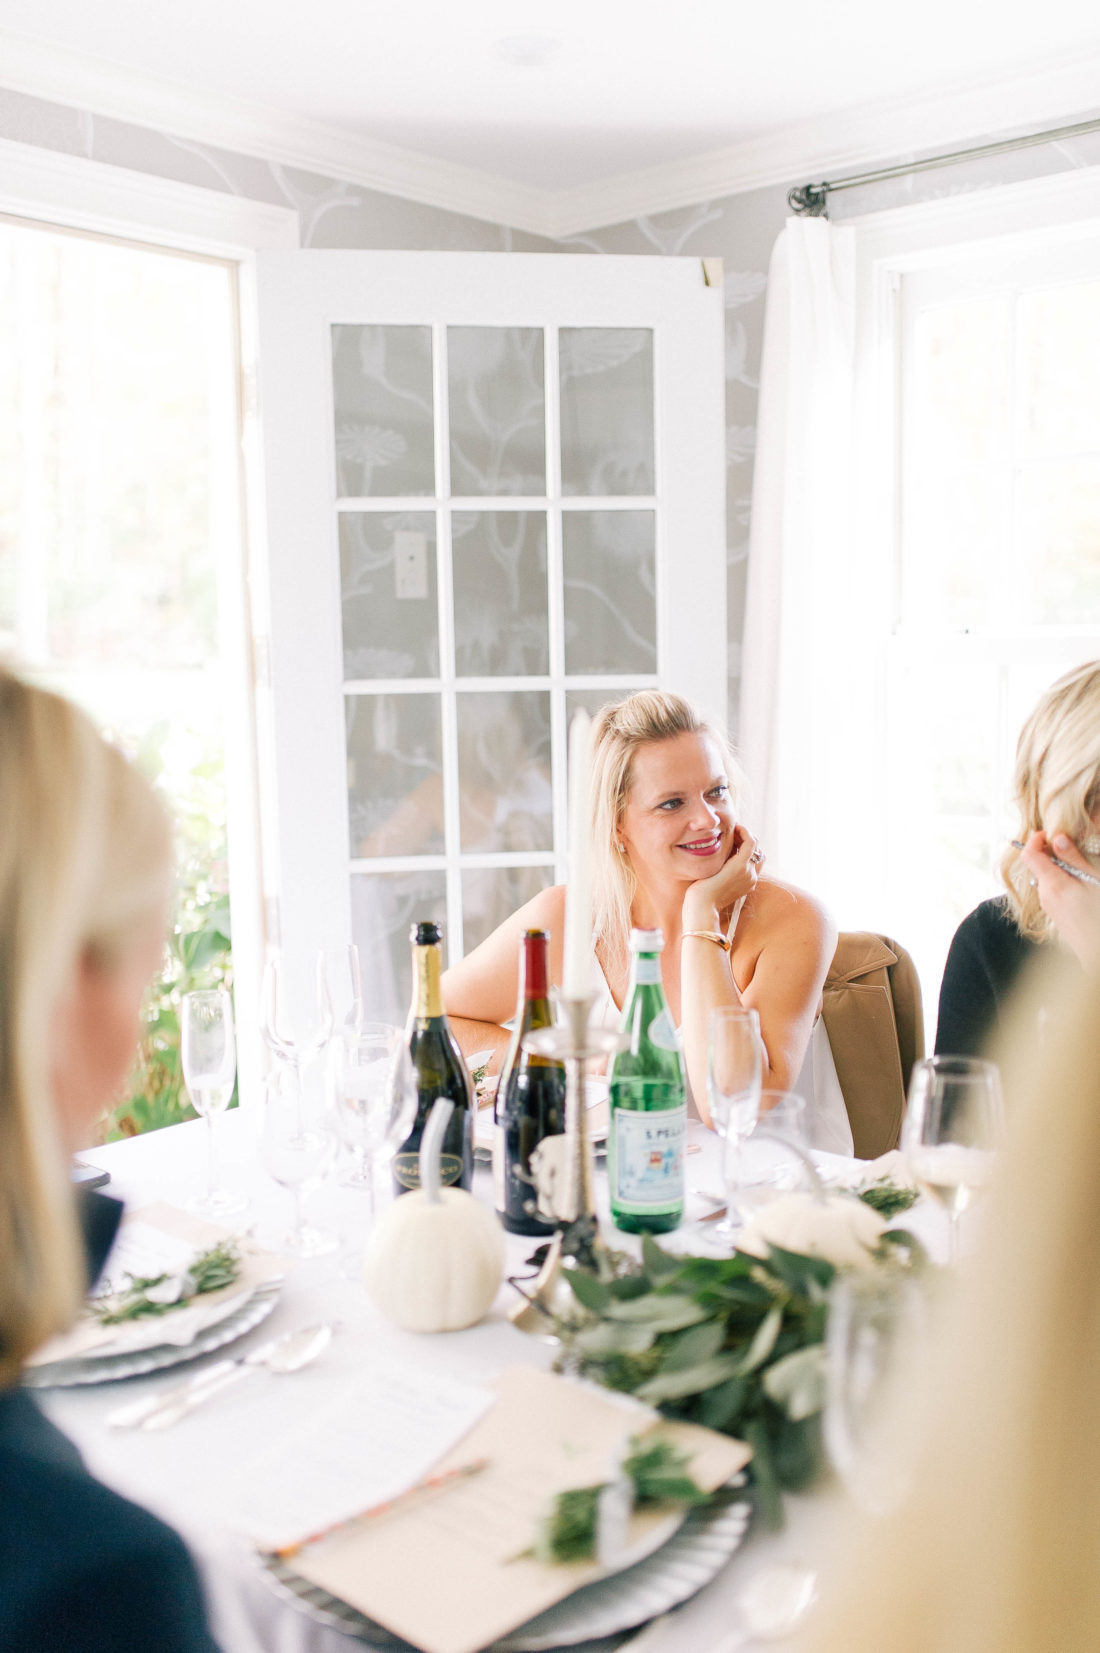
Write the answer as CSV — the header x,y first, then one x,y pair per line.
x,y
469,861
555,606
452,822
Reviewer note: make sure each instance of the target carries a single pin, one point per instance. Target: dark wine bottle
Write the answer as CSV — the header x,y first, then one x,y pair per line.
x,y
440,1071
530,1099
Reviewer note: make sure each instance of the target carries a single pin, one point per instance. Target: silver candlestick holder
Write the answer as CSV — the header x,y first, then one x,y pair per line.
x,y
574,1042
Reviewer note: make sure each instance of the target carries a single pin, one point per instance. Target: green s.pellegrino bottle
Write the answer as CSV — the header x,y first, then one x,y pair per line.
x,y
648,1098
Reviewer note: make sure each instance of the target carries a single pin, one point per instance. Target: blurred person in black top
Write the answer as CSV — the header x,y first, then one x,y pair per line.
x,y
1045,911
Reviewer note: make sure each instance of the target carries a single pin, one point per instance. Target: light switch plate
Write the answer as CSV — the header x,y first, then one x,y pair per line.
x,y
410,563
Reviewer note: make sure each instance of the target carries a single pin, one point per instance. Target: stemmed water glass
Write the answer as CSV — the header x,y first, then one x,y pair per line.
x,y
209,1059
875,1359
735,1065
373,1097
297,1147
953,1125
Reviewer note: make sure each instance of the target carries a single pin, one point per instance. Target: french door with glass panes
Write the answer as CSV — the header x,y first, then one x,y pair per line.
x,y
492,488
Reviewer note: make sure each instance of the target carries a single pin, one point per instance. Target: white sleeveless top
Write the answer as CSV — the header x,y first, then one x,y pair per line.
x,y
828,1126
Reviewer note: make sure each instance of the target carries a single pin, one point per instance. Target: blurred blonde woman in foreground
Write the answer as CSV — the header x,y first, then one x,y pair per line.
x,y
996,1549
84,877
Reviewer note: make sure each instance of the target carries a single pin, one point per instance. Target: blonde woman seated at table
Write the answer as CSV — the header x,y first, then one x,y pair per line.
x,y
85,868
669,853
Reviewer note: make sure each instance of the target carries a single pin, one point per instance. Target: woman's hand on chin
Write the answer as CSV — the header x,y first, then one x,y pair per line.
x,y
708,898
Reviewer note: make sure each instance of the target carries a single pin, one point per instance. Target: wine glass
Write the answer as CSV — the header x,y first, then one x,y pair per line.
x,y
295,1041
297,1147
373,1097
209,1059
875,1352
735,1065
953,1125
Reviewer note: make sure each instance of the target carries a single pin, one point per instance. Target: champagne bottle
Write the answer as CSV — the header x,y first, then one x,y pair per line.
x,y
440,1071
530,1100
648,1101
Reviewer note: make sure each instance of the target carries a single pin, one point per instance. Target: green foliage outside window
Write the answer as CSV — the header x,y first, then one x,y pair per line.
x,y
199,949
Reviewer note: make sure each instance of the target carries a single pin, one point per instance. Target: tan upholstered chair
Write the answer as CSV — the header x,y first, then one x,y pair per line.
x,y
873,1016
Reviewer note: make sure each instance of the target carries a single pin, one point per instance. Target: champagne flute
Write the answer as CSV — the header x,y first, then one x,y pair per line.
x,y
373,1097
209,1059
953,1125
735,1065
345,982
296,1042
297,1147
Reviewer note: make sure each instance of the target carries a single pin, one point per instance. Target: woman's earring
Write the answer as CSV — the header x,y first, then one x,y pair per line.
x,y
1091,844
620,846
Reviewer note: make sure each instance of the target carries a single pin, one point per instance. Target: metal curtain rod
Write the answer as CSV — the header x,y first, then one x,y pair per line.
x,y
812,200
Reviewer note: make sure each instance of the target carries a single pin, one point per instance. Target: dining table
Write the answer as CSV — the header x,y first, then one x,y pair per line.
x,y
192,1474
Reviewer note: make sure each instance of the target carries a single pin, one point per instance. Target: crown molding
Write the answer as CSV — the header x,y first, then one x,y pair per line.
x,y
873,135
809,150
45,184
67,77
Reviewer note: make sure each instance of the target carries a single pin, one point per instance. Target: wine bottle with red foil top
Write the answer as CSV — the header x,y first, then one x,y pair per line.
x,y
439,1069
529,1111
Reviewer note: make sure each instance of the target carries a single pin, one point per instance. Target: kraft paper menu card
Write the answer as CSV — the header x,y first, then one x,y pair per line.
x,y
443,1570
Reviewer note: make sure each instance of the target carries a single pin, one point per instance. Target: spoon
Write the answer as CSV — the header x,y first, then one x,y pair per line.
x,y
279,1355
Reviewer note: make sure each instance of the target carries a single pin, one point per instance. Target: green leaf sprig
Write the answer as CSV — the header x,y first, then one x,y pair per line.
x,y
889,1198
570,1529
146,1296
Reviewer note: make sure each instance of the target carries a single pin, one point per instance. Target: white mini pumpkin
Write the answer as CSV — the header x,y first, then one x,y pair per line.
x,y
435,1258
839,1228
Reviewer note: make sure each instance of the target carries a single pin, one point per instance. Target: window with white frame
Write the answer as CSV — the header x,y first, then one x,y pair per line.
x,y
996,537
119,527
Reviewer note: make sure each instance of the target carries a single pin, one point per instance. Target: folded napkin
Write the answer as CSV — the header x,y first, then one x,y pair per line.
x,y
160,1239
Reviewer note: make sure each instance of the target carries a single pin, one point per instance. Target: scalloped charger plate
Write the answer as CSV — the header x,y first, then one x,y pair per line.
x,y
106,1368
642,1590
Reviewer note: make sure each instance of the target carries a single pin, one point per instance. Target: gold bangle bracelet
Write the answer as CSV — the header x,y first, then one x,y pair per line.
x,y
716,936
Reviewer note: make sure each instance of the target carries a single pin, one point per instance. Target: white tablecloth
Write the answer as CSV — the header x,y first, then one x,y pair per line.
x,y
183,1472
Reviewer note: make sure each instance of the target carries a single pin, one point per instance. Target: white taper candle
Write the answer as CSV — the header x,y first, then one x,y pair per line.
x,y
577,963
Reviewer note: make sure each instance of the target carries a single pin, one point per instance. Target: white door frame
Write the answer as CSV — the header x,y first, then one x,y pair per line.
x,y
71,192
298,298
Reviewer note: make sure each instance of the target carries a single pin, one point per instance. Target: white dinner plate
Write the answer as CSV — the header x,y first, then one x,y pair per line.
x,y
107,1368
672,1575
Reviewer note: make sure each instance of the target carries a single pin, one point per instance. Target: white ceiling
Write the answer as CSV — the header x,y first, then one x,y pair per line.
x,y
560,116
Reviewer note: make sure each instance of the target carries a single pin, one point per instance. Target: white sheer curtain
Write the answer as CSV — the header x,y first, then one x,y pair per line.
x,y
808,685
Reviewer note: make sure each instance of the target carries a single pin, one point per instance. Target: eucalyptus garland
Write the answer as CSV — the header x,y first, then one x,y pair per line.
x,y
733,1343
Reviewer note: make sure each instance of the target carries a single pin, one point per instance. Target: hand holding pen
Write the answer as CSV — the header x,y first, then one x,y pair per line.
x,y
1068,891
1067,846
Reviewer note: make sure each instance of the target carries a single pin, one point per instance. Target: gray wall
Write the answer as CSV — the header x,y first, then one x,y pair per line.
x,y
739,228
